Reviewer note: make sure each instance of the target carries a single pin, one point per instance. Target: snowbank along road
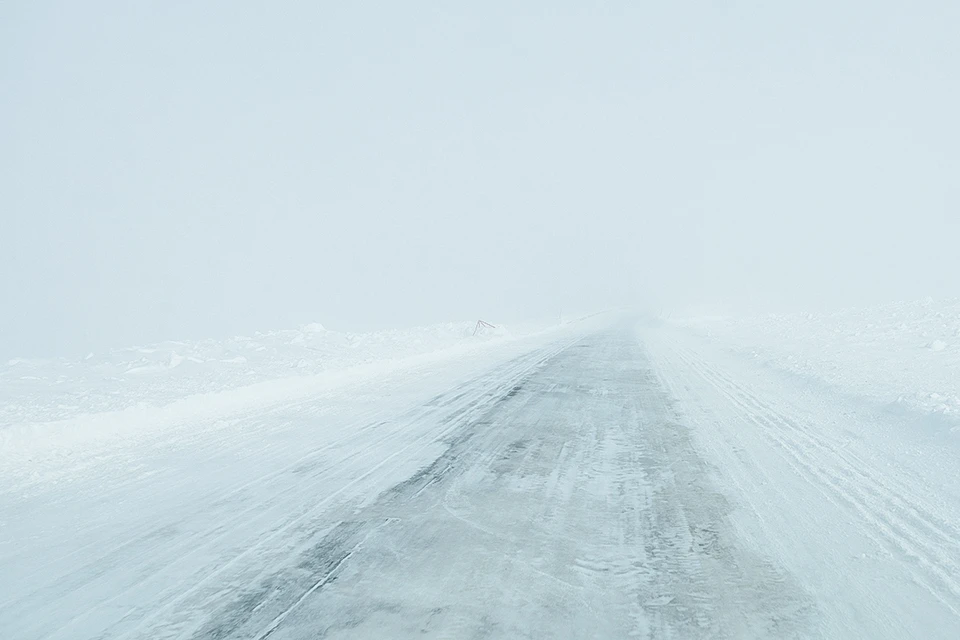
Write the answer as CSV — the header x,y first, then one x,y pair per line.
x,y
623,482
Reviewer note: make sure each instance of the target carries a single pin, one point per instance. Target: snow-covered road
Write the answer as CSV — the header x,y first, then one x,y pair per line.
x,y
628,481
857,501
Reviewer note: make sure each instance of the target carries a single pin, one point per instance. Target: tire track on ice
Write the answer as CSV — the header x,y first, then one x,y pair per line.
x,y
476,404
936,568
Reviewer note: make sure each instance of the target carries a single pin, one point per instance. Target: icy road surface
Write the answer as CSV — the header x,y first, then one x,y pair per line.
x,y
627,482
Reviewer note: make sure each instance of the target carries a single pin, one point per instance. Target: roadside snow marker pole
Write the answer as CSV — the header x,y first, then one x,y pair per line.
x,y
482,325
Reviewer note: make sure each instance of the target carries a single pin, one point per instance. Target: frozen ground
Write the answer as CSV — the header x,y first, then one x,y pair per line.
x,y
602,480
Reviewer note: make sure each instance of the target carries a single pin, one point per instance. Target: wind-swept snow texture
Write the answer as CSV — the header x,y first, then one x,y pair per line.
x,y
598,481
41,390
905,355
52,407
850,497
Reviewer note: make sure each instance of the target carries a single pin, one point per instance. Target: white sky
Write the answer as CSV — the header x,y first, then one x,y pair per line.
x,y
182,169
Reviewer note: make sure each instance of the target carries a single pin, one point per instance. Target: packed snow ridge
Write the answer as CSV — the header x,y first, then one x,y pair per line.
x,y
36,391
904,355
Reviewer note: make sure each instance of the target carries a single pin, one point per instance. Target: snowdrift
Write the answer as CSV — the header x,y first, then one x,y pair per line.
x,y
904,355
41,391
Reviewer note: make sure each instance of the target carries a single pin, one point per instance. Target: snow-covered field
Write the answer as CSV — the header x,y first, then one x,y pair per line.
x,y
52,408
905,356
43,390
